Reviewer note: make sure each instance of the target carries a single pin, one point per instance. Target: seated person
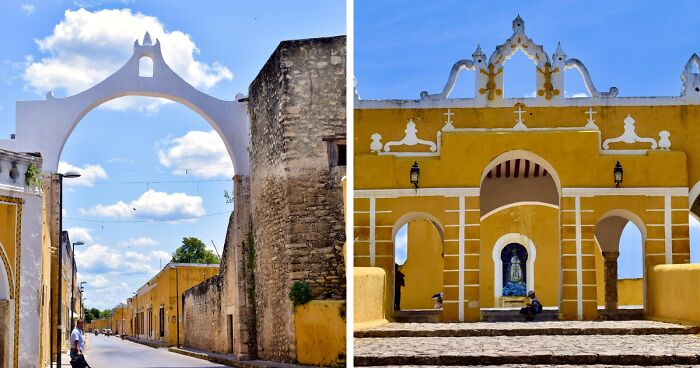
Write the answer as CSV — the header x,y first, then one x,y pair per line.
x,y
532,308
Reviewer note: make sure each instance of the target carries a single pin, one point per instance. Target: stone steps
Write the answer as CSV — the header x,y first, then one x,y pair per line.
x,y
575,343
513,315
417,316
562,328
644,350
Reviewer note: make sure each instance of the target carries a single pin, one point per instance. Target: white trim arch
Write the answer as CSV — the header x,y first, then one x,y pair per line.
x,y
498,266
411,216
517,204
693,195
45,125
522,154
630,216
4,279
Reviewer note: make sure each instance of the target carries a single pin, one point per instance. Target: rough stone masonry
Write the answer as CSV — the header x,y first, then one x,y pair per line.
x,y
297,113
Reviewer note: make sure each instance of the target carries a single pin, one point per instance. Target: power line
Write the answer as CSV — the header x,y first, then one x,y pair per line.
x,y
163,181
141,221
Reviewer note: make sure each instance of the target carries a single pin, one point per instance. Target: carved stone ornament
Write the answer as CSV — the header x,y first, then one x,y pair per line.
x,y
410,139
630,136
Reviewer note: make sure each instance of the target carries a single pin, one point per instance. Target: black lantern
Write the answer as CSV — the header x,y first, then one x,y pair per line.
x,y
415,174
617,172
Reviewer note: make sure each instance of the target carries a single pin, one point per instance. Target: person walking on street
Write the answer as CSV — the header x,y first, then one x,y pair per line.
x,y
77,346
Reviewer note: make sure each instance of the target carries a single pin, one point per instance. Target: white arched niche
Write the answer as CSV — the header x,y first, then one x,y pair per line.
x,y
498,265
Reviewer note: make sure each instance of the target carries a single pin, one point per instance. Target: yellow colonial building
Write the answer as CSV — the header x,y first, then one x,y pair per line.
x,y
156,309
504,195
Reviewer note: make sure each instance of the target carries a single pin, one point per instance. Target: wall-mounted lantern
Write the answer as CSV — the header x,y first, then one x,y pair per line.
x,y
617,173
415,174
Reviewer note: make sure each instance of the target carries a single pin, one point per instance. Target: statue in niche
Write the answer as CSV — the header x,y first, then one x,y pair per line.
x,y
514,257
516,269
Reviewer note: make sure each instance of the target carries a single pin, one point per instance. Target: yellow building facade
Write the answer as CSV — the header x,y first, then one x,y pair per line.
x,y
504,195
156,309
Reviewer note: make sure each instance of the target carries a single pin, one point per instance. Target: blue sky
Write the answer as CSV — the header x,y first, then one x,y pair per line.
x,y
641,47
144,161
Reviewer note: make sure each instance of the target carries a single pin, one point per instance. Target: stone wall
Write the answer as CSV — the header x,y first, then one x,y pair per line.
x,y
207,306
297,108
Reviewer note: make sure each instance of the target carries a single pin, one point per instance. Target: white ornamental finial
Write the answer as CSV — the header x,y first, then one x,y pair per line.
x,y
478,55
518,25
664,142
591,121
410,139
147,40
520,124
559,54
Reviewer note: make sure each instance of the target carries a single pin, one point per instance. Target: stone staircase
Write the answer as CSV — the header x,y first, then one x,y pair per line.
x,y
513,315
417,316
573,343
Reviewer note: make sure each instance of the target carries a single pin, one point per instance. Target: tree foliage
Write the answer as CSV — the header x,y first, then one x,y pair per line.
x,y
94,313
193,250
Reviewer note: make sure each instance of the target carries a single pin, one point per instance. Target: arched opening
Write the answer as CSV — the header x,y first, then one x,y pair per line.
x,y
146,67
620,264
519,225
519,79
158,177
419,264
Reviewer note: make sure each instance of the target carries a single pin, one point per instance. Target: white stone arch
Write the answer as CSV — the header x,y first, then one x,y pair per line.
x,y
45,125
498,266
523,154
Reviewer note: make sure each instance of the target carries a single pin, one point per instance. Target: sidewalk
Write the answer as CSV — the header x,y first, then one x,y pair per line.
x,y
229,359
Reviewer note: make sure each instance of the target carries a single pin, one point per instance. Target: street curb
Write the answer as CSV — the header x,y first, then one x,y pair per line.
x,y
150,344
231,362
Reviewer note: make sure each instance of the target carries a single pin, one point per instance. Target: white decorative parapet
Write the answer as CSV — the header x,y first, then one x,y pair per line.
x,y
630,136
489,73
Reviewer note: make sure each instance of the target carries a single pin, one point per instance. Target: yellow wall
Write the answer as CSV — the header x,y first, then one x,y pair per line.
x,y
368,298
673,293
630,292
576,160
320,332
166,290
539,224
44,314
424,266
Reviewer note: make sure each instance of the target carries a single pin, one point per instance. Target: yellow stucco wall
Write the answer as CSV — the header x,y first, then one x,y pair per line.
x,y
673,293
540,225
319,328
166,290
368,297
573,158
630,292
44,314
424,266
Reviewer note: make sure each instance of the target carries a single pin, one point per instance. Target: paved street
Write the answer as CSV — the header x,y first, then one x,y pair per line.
x,y
110,352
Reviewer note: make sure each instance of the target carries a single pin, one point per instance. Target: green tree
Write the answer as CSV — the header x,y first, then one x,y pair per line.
x,y
91,314
105,313
193,250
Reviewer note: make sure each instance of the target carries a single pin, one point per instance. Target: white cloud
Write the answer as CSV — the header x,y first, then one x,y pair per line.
x,y
532,94
197,153
80,234
693,222
151,205
161,256
568,94
100,259
139,242
86,47
89,174
28,9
